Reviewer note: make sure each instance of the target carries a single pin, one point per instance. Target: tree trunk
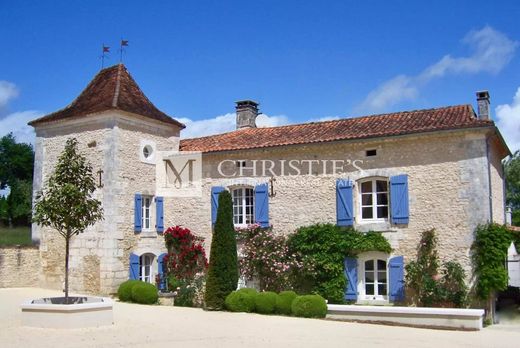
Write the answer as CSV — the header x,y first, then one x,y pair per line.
x,y
67,240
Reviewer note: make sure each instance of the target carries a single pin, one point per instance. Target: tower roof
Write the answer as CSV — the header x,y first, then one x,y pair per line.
x,y
112,88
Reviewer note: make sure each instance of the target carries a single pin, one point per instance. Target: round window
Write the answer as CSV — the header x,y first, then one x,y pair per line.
x,y
147,151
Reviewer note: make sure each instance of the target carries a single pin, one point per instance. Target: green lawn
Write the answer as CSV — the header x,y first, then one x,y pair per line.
x,y
15,236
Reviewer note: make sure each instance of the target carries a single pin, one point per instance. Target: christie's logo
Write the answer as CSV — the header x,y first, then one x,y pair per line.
x,y
178,174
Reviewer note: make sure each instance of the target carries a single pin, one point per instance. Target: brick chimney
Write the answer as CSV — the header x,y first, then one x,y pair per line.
x,y
247,111
483,105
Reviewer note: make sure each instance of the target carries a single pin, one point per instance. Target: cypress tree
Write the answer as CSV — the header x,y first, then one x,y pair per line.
x,y
223,263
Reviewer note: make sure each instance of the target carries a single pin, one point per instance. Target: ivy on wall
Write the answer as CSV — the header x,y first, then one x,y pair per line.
x,y
325,246
489,255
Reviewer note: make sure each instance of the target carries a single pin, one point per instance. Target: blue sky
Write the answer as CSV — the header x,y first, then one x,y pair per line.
x,y
301,60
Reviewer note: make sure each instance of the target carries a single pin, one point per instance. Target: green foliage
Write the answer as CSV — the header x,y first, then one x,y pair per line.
x,y
16,172
124,292
223,263
144,293
265,302
515,218
284,302
19,202
66,202
309,306
16,161
325,247
453,287
512,174
4,214
433,285
242,300
489,252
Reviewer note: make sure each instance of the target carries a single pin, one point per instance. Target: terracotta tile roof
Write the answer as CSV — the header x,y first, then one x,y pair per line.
x,y
111,89
400,123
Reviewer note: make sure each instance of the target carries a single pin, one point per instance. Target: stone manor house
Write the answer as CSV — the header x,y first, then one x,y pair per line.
x,y
399,173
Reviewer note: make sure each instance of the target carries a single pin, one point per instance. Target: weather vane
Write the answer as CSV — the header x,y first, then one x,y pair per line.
x,y
124,43
105,49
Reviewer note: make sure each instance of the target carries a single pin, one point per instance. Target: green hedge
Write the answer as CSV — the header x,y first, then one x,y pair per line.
x,y
265,302
144,293
309,306
242,300
284,302
125,290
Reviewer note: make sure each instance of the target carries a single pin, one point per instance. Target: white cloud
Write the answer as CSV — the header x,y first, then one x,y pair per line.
x,y
224,123
491,52
508,121
8,91
17,124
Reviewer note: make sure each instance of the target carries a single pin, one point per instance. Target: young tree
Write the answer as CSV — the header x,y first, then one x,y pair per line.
x,y
66,203
223,261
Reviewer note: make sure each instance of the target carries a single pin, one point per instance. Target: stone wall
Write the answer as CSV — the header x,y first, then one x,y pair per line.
x,y
19,266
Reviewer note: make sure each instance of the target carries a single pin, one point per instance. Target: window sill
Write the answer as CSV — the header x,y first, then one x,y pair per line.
x,y
376,226
376,302
149,234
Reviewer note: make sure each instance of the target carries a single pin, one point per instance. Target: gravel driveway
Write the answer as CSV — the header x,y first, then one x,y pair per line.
x,y
155,326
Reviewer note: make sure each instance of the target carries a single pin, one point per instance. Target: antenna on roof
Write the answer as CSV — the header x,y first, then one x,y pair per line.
x,y
105,49
124,43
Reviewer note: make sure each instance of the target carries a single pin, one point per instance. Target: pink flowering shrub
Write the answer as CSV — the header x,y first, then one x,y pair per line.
x,y
265,257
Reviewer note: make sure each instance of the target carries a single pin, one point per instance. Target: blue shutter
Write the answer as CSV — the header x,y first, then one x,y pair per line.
x,y
399,199
351,275
159,214
215,191
134,267
262,205
162,273
344,203
138,213
396,278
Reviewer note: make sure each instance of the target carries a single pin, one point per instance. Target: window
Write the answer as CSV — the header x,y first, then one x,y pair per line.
x,y
375,278
146,272
147,212
147,151
374,199
243,206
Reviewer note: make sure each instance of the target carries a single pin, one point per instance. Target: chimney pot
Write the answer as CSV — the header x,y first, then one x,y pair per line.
x,y
247,111
483,105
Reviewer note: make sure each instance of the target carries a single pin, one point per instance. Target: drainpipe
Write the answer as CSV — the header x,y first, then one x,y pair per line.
x,y
489,181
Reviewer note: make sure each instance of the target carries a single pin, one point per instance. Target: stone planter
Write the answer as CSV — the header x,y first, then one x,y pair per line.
x,y
52,312
166,298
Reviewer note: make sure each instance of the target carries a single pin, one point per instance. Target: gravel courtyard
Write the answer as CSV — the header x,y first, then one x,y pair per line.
x,y
155,326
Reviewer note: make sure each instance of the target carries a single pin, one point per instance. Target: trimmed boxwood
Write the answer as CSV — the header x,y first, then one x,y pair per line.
x,y
242,300
125,290
144,293
284,302
309,306
265,302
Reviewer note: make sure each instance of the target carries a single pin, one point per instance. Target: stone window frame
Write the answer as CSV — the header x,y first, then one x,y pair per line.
x,y
373,205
